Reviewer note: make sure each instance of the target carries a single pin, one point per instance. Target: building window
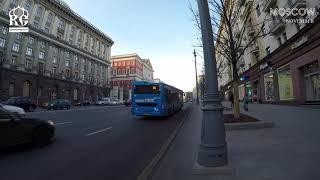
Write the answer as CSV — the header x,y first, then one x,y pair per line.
x,y
41,55
54,59
28,63
83,77
54,70
258,10
31,40
2,42
268,51
18,36
26,89
68,73
61,24
263,29
279,41
75,94
4,30
38,13
285,36
15,47
42,44
311,73
35,24
49,19
67,63
29,51
11,89
285,83
47,29
13,60
269,87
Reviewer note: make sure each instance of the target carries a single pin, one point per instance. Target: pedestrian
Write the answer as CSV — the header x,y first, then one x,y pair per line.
x,y
231,99
245,103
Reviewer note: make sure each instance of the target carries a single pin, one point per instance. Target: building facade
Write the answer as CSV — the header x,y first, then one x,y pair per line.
x,y
282,66
128,68
62,55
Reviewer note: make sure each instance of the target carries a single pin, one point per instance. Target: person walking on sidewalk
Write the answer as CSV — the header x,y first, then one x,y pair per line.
x,y
245,103
231,99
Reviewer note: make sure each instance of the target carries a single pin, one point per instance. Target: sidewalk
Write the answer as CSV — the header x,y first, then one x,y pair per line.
x,y
290,151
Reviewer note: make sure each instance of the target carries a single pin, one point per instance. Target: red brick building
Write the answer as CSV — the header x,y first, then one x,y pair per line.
x,y
124,70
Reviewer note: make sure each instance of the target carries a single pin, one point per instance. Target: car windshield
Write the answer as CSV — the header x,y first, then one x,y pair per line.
x,y
10,100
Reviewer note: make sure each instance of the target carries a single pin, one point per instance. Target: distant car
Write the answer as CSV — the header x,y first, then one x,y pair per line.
x,y
82,103
114,102
59,104
127,102
16,130
86,103
13,109
22,102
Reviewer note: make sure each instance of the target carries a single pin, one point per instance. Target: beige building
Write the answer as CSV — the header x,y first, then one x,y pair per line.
x,y
62,55
271,70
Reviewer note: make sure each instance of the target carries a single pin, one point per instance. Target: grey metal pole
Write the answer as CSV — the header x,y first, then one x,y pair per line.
x,y
195,65
213,147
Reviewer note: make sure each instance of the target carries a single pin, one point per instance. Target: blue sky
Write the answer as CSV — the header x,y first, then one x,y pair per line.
x,y
160,30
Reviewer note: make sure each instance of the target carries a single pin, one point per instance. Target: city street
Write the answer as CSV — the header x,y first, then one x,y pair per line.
x,y
104,142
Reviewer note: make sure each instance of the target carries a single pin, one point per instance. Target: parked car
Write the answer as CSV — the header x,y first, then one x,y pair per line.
x,y
59,104
22,102
114,102
16,130
86,103
13,109
127,102
82,103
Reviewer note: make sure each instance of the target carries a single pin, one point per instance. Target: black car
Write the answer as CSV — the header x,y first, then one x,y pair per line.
x,y
16,130
83,103
59,104
22,102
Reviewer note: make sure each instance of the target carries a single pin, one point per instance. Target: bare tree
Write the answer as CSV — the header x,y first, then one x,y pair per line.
x,y
235,32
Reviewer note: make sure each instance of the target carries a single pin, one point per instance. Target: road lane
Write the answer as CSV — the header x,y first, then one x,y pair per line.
x,y
119,153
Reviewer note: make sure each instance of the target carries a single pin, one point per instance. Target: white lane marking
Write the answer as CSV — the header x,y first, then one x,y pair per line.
x,y
96,132
68,122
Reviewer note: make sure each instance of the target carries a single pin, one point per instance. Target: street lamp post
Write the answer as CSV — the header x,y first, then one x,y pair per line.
x,y
213,147
195,65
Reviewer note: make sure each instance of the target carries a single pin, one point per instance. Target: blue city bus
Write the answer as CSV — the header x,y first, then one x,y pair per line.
x,y
155,99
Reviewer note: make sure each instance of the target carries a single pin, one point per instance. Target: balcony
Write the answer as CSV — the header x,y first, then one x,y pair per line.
x,y
267,4
277,26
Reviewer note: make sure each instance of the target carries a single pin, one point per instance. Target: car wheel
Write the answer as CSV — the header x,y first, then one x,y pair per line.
x,y
42,136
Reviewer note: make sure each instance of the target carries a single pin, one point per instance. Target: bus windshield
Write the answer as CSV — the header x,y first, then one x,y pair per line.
x,y
146,89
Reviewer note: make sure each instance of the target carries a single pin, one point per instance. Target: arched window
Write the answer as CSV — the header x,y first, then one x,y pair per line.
x,y
26,89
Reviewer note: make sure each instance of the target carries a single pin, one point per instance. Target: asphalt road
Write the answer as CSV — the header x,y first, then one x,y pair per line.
x,y
98,143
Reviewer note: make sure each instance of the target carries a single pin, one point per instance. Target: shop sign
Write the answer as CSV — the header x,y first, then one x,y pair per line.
x,y
299,43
